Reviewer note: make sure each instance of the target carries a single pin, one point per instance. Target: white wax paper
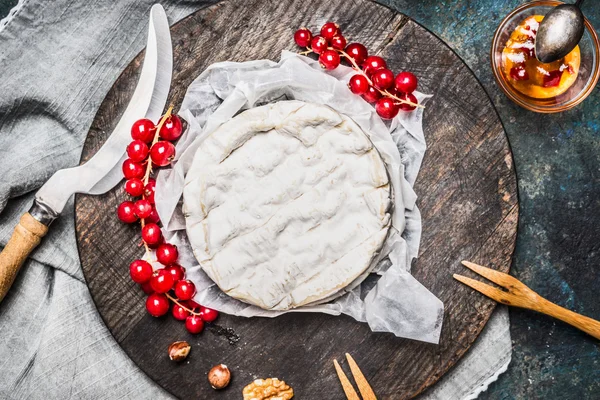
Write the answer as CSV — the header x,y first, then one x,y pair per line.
x,y
389,299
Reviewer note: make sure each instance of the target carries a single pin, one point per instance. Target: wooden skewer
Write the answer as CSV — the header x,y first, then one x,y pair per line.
x,y
363,386
519,295
346,385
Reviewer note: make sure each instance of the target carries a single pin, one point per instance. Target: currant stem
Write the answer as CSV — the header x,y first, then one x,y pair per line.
x,y
149,163
356,66
383,92
359,70
156,137
175,300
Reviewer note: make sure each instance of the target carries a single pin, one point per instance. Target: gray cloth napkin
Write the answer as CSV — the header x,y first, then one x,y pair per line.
x,y
58,60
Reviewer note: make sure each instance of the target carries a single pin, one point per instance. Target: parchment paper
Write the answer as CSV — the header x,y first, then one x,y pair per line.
x,y
390,299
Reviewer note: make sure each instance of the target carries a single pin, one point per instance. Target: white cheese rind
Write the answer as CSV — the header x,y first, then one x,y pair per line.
x,y
286,204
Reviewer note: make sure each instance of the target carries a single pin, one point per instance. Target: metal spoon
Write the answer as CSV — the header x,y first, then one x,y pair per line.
x,y
559,32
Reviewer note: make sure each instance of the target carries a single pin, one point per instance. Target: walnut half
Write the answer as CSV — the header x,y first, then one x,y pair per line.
x,y
268,389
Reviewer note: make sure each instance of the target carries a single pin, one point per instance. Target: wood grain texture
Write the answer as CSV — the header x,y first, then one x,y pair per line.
x,y
349,390
27,235
468,200
366,391
517,294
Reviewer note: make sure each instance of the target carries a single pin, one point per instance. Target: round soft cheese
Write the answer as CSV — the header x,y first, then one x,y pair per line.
x,y
286,204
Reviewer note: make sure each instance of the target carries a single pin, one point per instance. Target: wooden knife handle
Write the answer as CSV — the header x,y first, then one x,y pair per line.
x,y
26,236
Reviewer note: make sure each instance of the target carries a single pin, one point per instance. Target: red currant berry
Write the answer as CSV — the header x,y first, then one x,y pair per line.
x,y
140,271
162,153
132,169
155,245
329,30
406,82
179,312
383,78
194,324
409,97
149,190
185,290
192,305
519,73
126,212
147,288
134,187
151,234
208,314
358,84
372,64
137,151
329,59
167,254
153,217
386,108
528,52
144,130
338,42
177,271
172,128
143,208
552,79
302,37
358,52
157,304
162,282
372,95
318,44
394,92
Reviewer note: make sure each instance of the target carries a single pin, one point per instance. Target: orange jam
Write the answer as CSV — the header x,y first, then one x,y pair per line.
x,y
531,77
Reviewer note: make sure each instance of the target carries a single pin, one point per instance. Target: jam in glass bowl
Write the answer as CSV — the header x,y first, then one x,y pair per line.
x,y
539,87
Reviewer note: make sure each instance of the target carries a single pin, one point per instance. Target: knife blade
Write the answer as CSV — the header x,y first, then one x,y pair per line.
x,y
103,171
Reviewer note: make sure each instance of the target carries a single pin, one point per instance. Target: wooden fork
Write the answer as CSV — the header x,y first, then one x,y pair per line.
x,y
519,295
363,386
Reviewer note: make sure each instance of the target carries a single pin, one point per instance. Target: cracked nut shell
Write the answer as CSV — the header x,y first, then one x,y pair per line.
x,y
219,376
178,351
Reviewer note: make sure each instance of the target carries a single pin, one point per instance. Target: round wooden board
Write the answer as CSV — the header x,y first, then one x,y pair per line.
x,y
467,196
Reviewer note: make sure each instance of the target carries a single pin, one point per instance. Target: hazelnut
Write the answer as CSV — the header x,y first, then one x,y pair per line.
x,y
219,376
178,351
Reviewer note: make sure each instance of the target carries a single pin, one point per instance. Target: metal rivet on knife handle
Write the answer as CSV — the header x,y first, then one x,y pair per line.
x,y
26,236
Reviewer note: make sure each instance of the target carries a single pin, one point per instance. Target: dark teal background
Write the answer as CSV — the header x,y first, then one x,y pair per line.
x,y
5,6
557,158
558,248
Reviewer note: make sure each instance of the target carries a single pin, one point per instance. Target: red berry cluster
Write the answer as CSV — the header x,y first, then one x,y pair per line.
x,y
374,81
152,146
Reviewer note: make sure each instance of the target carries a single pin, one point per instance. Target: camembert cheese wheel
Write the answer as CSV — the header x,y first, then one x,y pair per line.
x,y
286,204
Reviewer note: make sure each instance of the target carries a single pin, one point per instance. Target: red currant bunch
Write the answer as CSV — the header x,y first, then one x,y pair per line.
x,y
145,151
373,80
152,147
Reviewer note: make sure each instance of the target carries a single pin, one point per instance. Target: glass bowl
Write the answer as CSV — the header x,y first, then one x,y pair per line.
x,y
589,70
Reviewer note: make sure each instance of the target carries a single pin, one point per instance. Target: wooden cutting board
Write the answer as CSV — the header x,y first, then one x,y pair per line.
x,y
467,196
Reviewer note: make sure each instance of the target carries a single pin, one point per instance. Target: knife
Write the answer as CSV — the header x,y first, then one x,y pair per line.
x,y
103,171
